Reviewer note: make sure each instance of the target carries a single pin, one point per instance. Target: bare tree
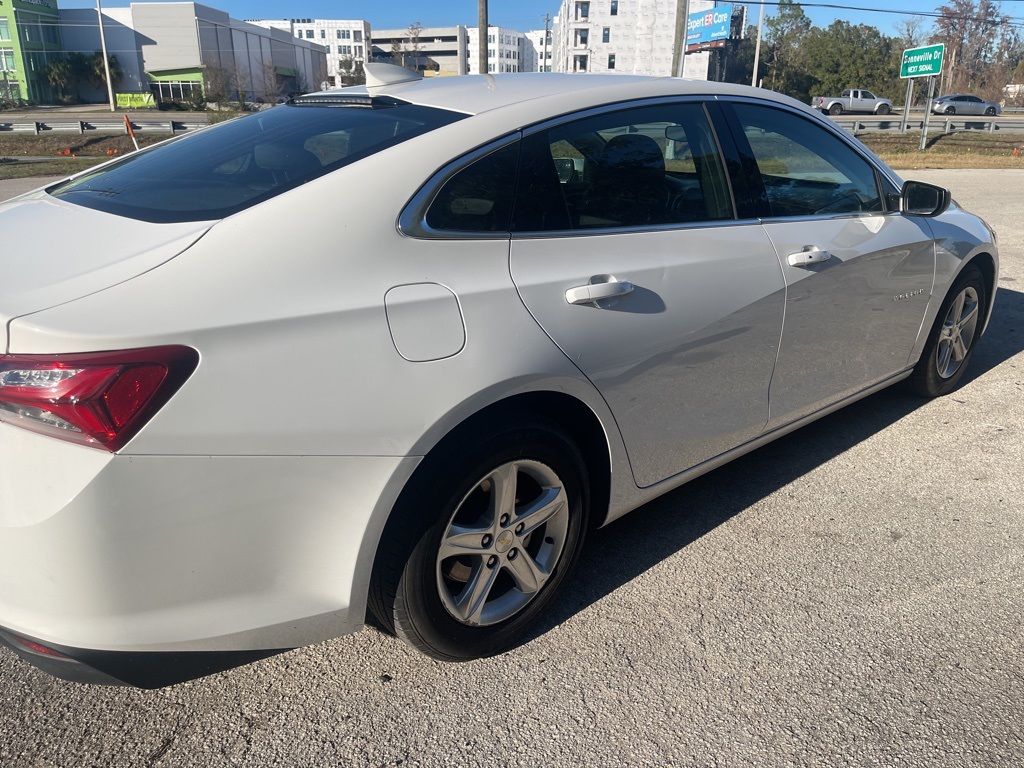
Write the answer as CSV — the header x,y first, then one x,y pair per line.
x,y
911,32
971,34
269,82
217,85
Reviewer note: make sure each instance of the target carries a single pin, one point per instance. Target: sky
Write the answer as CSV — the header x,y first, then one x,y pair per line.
x,y
526,15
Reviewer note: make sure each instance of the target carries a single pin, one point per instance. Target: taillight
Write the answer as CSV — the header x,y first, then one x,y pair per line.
x,y
100,399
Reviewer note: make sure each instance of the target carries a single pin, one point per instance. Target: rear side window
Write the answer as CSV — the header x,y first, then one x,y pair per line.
x,y
229,167
649,166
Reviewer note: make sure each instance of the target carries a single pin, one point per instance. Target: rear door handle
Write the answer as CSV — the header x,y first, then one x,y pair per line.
x,y
811,254
588,294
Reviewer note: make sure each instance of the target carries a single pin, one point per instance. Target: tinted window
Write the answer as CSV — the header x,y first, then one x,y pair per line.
x,y
479,197
805,169
641,167
229,167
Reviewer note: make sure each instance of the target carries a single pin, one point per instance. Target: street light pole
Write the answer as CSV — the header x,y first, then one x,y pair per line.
x,y
106,62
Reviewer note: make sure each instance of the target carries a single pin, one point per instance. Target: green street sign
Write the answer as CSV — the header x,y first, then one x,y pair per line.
x,y
922,62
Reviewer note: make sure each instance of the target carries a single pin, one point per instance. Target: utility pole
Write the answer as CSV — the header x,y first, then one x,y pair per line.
x,y
482,35
679,46
757,48
106,62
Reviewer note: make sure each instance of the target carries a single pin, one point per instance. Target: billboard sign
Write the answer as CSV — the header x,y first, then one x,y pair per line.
x,y
708,26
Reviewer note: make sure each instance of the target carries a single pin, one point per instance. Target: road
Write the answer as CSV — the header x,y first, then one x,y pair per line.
x,y
850,595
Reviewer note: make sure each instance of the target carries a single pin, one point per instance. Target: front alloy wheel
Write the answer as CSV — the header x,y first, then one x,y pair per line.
x,y
957,333
952,340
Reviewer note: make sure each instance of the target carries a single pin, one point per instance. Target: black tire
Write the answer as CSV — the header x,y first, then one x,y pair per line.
x,y
883,109
835,109
990,111
425,597
950,110
961,317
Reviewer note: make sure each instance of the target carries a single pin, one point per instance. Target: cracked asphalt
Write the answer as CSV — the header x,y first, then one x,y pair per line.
x,y
850,595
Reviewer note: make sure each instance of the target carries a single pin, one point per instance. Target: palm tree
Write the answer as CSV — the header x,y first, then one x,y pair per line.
x,y
60,74
97,76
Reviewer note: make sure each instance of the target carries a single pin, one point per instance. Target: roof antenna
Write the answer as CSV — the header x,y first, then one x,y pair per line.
x,y
378,73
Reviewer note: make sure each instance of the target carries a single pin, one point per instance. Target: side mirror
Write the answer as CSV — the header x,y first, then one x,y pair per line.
x,y
565,168
920,199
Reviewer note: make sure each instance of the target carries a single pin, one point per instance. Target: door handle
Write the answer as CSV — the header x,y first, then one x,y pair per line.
x,y
587,294
811,254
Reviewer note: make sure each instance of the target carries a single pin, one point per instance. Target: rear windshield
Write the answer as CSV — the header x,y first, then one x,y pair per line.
x,y
226,168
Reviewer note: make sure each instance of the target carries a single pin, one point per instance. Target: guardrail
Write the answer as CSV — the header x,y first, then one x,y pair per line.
x,y
950,124
37,127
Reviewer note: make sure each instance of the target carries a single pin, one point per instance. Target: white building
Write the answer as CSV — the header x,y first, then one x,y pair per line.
x,y
347,43
504,50
625,36
539,50
177,49
430,50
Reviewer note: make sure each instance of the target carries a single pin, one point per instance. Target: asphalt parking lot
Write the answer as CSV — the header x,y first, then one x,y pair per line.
x,y
850,595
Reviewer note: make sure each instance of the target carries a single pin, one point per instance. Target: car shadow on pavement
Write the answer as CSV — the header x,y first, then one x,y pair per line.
x,y
628,547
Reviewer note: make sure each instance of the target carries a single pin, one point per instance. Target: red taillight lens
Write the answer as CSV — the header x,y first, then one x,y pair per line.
x,y
100,399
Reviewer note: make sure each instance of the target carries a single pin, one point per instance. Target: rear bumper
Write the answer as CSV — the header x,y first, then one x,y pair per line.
x,y
142,670
118,560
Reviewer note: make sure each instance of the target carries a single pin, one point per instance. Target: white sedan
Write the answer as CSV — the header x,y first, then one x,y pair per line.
x,y
395,348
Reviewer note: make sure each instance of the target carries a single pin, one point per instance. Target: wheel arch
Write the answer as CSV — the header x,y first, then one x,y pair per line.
x,y
570,413
987,265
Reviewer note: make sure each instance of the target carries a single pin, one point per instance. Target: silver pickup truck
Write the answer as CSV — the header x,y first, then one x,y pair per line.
x,y
852,100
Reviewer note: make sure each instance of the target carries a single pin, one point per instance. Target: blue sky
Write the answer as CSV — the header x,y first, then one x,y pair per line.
x,y
522,15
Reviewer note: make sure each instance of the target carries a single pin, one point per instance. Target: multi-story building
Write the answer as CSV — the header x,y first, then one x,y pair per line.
x,y
347,42
181,50
539,50
504,50
429,50
29,40
629,36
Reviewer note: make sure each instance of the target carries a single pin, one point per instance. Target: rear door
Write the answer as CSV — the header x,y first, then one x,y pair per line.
x,y
627,250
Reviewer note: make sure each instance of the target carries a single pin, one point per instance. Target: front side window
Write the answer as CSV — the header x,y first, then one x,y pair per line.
x,y
642,167
807,171
232,166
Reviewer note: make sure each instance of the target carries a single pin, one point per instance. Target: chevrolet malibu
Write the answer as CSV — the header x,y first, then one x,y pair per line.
x,y
392,350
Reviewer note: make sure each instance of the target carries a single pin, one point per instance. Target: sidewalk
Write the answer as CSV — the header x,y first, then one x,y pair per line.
x,y
13,187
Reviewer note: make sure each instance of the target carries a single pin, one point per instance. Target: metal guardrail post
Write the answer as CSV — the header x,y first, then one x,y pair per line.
x,y
81,127
35,127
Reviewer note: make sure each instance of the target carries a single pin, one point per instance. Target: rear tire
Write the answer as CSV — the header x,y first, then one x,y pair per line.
x,y
479,551
953,337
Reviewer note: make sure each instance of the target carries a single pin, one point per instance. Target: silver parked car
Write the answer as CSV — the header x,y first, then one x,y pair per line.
x,y
396,348
964,104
